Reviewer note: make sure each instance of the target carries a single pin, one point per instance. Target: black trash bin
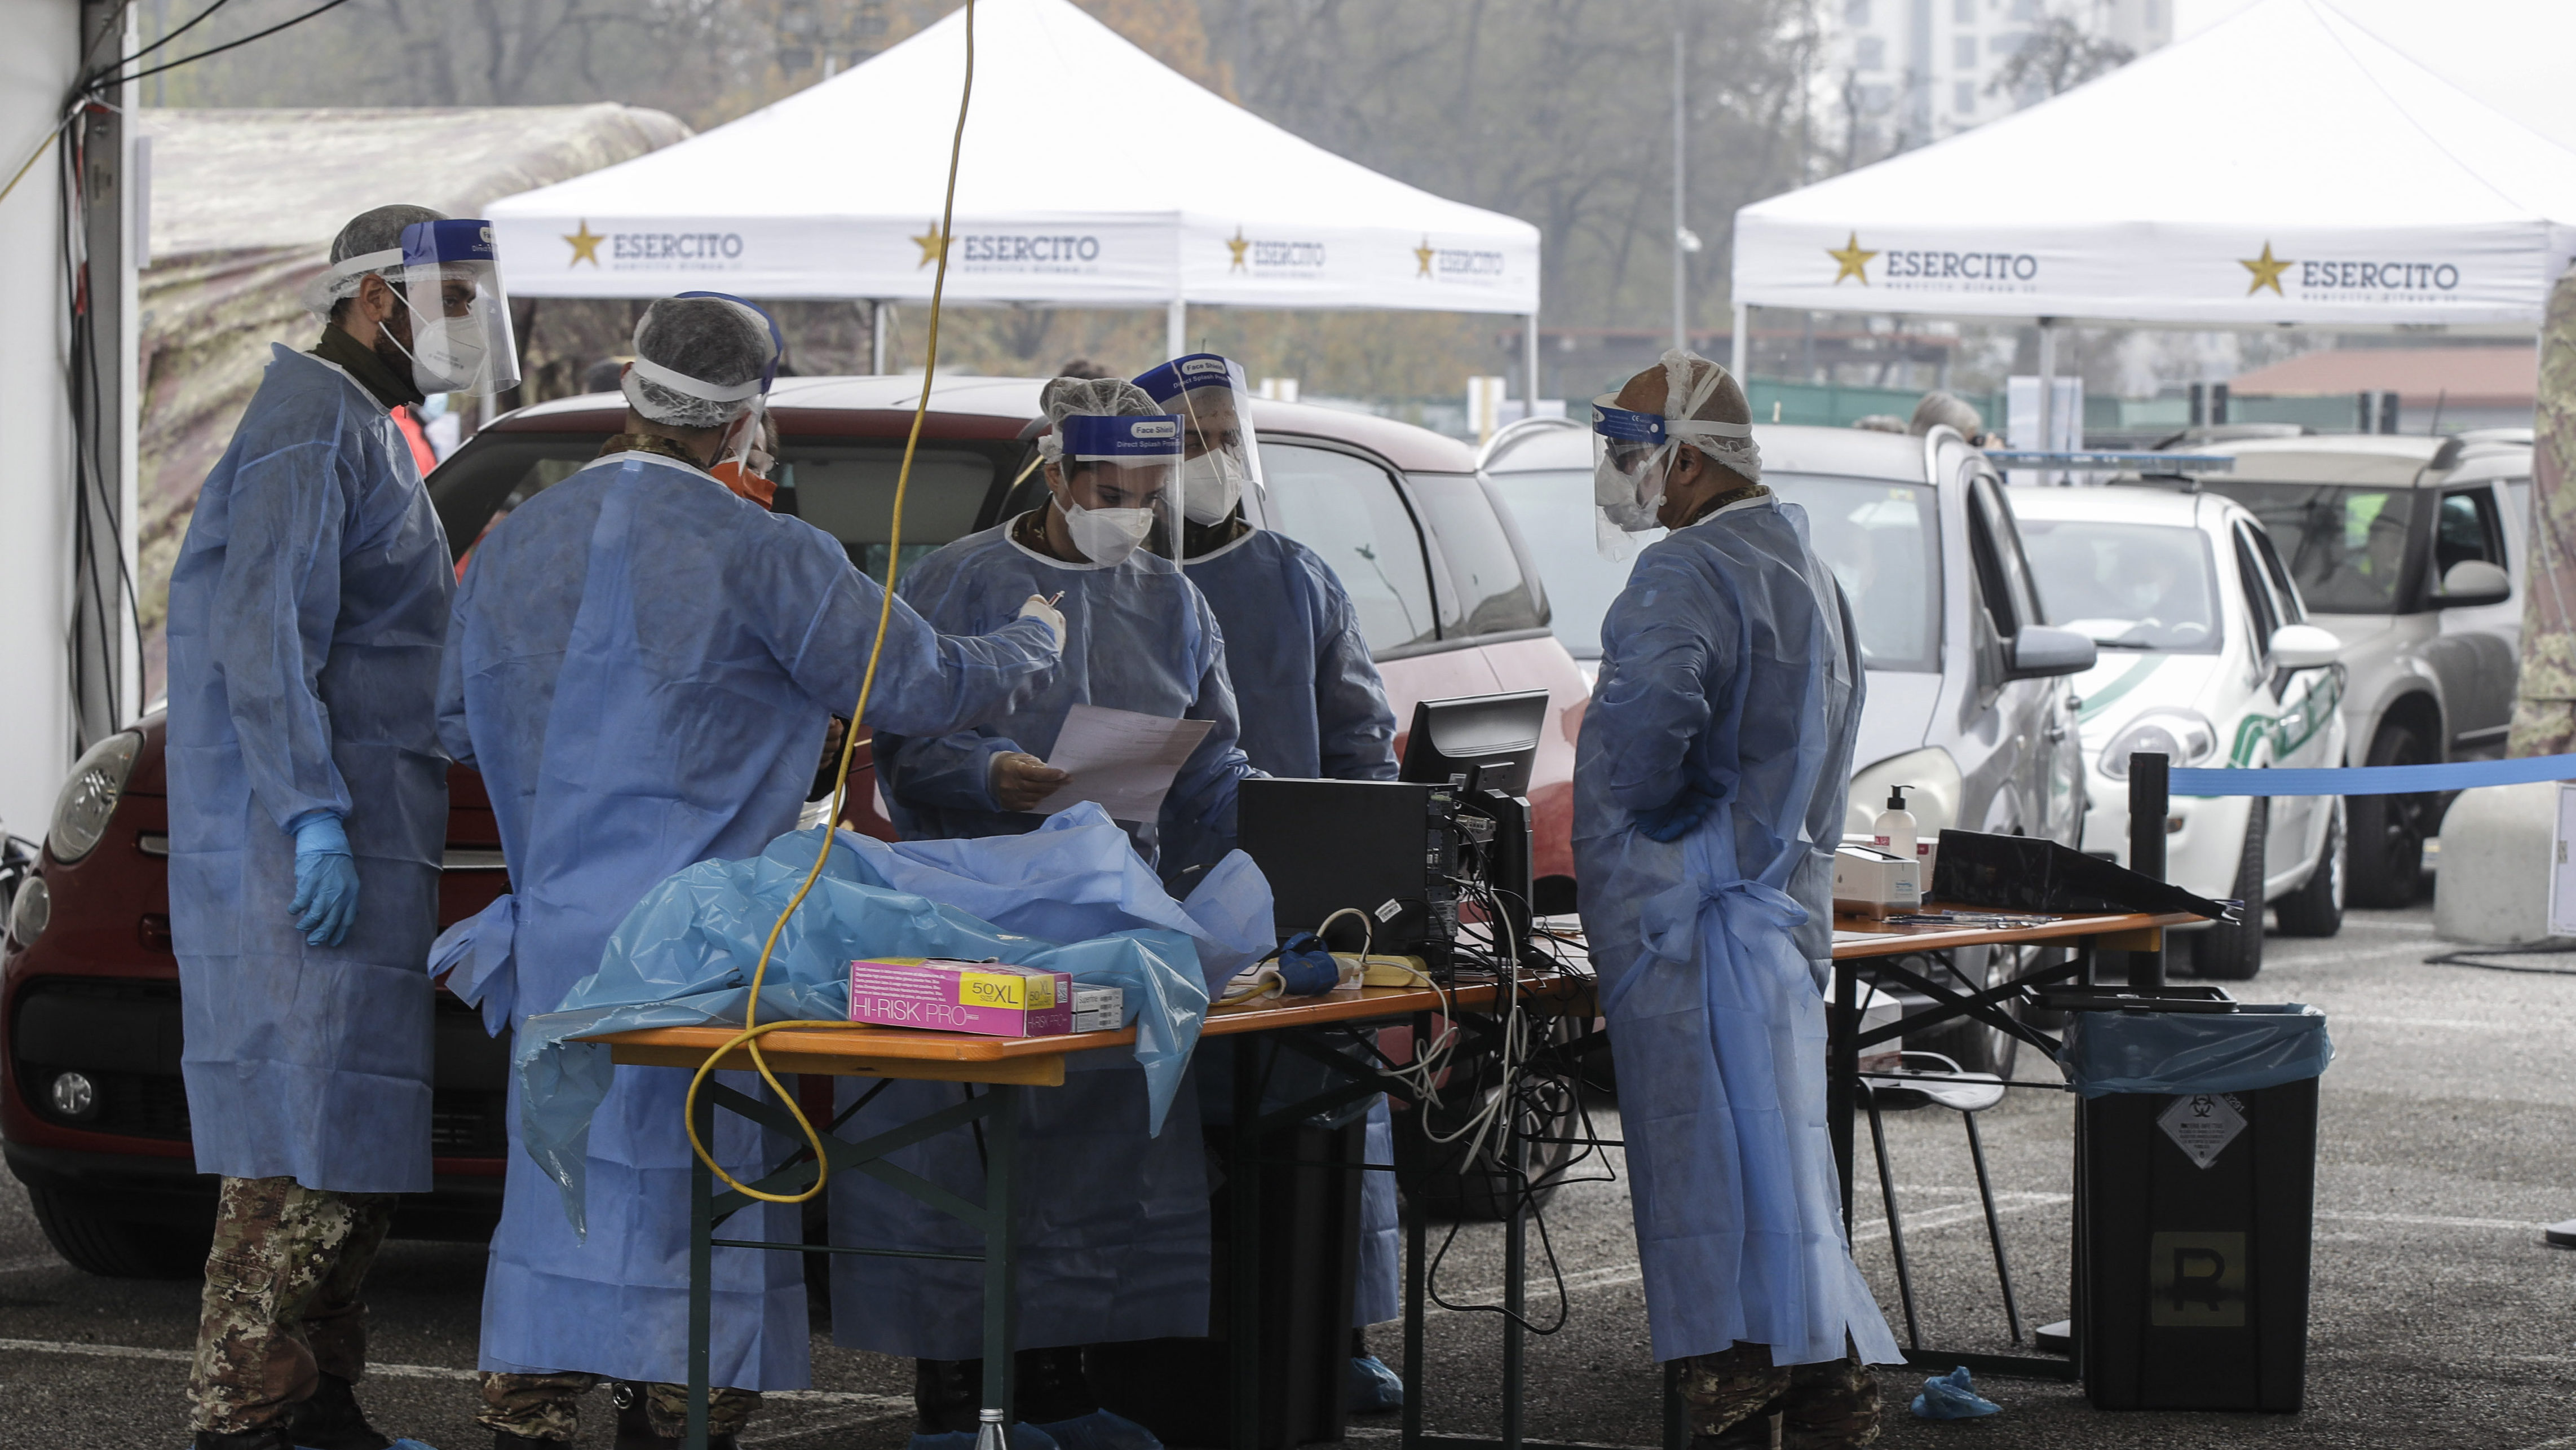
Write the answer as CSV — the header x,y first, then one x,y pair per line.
x,y
2195,1190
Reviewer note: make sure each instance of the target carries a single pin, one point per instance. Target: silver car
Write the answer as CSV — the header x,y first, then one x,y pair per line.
x,y
2411,550
1969,702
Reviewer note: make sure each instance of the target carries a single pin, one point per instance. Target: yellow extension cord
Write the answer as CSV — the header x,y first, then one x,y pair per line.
x,y
752,1027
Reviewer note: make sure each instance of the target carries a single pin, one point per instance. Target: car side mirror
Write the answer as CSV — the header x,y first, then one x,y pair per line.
x,y
2472,582
2304,647
2042,652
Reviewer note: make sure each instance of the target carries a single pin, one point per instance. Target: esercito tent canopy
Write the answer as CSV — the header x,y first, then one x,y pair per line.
x,y
1092,176
2284,166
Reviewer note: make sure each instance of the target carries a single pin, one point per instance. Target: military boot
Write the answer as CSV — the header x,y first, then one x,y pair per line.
x,y
331,1420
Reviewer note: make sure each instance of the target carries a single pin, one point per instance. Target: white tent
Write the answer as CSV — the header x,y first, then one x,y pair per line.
x,y
2283,167
1092,176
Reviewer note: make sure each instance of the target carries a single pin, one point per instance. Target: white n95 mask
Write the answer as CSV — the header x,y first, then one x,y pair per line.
x,y
1107,536
1624,498
1211,485
448,351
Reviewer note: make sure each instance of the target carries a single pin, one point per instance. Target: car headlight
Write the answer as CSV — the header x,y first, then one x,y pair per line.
x,y
1932,789
28,913
89,797
2182,737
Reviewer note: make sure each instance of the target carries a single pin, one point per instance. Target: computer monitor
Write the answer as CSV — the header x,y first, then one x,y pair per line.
x,y
1498,732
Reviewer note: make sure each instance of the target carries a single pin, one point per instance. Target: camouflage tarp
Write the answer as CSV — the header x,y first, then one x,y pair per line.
x,y
2544,718
244,205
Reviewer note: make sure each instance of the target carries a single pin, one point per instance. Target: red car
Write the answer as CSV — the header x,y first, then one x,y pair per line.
x,y
93,1116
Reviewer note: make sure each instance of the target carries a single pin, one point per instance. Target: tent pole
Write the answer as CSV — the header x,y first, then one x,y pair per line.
x,y
2047,386
1740,346
1176,329
1529,362
880,340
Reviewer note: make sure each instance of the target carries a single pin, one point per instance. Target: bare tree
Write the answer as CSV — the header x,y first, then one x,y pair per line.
x,y
2056,58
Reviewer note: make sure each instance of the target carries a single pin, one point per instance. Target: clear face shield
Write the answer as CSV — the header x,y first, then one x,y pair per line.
x,y
1220,457
1118,481
1633,453
460,317
447,283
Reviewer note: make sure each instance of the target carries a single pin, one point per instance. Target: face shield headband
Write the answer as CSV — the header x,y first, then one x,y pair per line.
x,y
1630,438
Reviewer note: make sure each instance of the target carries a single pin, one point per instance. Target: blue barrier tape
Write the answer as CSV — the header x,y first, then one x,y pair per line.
x,y
2372,779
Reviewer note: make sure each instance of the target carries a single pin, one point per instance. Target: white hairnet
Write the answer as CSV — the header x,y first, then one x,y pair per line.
x,y
370,245
1096,397
1689,382
699,362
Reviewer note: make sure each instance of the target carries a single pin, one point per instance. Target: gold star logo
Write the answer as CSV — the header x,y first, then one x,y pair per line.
x,y
1237,245
585,245
1423,254
2267,270
933,246
1852,260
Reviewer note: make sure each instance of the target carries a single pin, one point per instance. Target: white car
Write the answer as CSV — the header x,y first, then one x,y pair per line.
x,y
2206,657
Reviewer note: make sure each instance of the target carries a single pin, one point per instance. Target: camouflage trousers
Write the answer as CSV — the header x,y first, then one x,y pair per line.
x,y
548,1406
281,1305
1734,1393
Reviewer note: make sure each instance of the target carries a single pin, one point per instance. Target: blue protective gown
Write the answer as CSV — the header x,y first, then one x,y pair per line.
x,y
1729,669
1113,1225
641,665
1138,636
308,607
1313,708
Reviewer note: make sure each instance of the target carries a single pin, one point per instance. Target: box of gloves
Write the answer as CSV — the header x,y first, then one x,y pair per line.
x,y
989,999
1871,882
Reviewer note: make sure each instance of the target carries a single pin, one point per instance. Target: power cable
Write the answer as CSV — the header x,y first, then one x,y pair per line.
x,y
753,1029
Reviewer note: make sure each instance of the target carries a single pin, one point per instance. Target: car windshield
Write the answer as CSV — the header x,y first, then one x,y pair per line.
x,y
1879,538
2127,586
845,488
2346,546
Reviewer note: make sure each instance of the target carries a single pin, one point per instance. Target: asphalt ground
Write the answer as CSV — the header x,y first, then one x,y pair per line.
x,y
2439,1318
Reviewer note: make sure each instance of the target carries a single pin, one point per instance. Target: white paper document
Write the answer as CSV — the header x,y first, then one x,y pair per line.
x,y
1121,759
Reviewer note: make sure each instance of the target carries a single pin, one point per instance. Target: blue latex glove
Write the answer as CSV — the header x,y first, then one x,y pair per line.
x,y
326,880
1374,1388
1673,820
1952,1396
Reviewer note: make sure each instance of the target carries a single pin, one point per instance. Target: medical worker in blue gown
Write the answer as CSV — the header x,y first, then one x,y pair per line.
x,y
1708,799
1114,1238
1313,708
642,664
308,805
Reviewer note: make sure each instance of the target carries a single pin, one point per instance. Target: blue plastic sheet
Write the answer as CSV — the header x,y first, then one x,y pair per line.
x,y
2195,1052
1072,896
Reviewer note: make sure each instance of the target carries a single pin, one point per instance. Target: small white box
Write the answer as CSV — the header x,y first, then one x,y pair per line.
x,y
1098,1009
1871,882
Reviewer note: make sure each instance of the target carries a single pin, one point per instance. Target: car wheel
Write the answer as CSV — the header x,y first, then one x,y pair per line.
x,y
1974,1045
2233,953
2385,849
2316,909
83,1230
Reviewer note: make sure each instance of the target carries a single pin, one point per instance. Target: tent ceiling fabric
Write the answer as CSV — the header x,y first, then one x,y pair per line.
x,y
2283,167
1092,176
